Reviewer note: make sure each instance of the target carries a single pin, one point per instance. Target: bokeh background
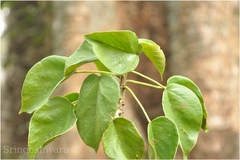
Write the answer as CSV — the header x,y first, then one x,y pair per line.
x,y
200,41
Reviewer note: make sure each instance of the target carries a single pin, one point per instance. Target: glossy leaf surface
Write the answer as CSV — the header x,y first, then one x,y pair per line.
x,y
193,87
118,51
182,106
122,140
163,138
97,103
53,119
40,82
154,53
84,54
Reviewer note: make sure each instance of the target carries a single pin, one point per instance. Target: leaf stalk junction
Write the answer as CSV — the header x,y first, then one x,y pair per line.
x,y
123,86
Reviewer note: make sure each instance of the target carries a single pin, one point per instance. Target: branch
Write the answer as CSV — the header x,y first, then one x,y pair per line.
x,y
121,103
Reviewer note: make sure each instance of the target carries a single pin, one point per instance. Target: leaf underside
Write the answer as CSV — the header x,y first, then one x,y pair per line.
x,y
154,53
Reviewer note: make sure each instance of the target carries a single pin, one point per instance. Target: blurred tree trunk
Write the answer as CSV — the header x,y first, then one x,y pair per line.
x,y
204,47
29,41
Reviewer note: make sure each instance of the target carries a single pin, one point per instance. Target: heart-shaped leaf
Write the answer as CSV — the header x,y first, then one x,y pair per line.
x,y
163,138
193,87
53,119
118,51
182,106
84,54
154,53
97,104
40,82
122,140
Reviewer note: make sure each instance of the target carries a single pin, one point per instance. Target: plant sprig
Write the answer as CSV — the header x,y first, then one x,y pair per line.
x,y
93,109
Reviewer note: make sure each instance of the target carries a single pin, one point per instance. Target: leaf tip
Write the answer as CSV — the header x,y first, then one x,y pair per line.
x,y
31,154
96,149
20,111
24,110
206,130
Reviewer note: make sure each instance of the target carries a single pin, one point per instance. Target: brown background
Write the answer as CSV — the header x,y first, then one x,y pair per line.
x,y
200,41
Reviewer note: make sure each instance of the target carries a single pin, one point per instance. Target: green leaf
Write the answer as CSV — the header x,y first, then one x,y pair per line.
x,y
154,53
163,138
117,50
122,140
72,96
182,106
101,67
40,82
53,119
84,54
124,40
193,87
97,104
152,153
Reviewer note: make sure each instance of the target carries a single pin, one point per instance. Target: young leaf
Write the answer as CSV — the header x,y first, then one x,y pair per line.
x,y
40,82
122,140
154,53
72,96
53,119
97,104
193,87
163,138
84,54
182,106
118,51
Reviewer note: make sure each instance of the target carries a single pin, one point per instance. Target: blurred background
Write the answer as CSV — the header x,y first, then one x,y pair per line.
x,y
200,41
